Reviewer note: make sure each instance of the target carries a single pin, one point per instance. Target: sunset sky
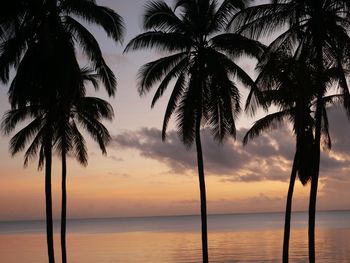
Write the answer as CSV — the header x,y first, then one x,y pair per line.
x,y
143,176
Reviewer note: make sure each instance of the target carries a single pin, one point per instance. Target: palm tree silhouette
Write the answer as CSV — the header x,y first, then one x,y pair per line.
x,y
200,62
39,38
26,23
322,26
289,83
55,128
79,111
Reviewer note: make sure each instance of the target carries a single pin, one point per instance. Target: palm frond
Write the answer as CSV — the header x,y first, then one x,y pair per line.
x,y
90,76
159,16
19,141
173,102
94,53
13,117
32,150
95,107
237,45
217,58
41,160
79,145
189,110
11,51
270,121
261,20
223,102
154,71
225,13
180,68
159,40
326,138
95,129
103,16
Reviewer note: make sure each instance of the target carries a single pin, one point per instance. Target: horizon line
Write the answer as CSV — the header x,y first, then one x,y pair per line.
x,y
163,216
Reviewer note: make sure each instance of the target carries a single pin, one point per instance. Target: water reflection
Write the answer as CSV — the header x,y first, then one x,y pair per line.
x,y
178,247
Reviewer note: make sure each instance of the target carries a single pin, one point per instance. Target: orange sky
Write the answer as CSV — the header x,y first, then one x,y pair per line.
x,y
143,176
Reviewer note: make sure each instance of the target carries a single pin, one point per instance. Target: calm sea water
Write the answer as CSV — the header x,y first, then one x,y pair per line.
x,y
232,238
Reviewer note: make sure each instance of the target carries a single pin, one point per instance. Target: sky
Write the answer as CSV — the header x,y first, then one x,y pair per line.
x,y
143,176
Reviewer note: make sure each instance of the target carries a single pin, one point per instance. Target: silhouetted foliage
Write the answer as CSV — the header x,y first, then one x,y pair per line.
x,y
74,112
40,39
60,123
319,27
200,61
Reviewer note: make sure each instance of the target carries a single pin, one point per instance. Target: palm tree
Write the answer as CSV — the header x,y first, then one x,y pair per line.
x,y
322,26
56,128
79,111
87,111
39,39
200,62
289,83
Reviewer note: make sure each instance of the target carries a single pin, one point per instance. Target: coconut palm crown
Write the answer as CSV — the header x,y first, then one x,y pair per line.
x,y
41,38
200,63
57,129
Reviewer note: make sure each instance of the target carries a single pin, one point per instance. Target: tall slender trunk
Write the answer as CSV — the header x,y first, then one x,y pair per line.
x,y
202,193
287,219
316,162
64,208
314,183
48,199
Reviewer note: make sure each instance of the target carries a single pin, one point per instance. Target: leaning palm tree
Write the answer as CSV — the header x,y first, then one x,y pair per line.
x,y
39,38
322,26
201,64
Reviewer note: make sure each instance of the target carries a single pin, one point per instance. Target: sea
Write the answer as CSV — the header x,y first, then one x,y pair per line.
x,y
177,239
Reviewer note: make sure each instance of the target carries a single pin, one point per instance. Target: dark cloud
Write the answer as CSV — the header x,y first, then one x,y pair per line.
x,y
267,157
149,143
260,160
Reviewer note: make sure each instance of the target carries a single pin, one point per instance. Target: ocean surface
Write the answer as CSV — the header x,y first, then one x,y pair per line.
x,y
176,239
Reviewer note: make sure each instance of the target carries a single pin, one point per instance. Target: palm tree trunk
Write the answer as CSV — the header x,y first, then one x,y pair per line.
x,y
314,184
48,199
202,193
64,208
287,219
313,190
316,163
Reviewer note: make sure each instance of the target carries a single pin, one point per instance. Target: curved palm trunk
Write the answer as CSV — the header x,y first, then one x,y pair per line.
x,y
202,195
287,219
48,199
64,208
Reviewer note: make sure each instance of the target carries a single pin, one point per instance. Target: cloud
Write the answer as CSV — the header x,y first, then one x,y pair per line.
x,y
267,157
117,159
261,160
119,175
